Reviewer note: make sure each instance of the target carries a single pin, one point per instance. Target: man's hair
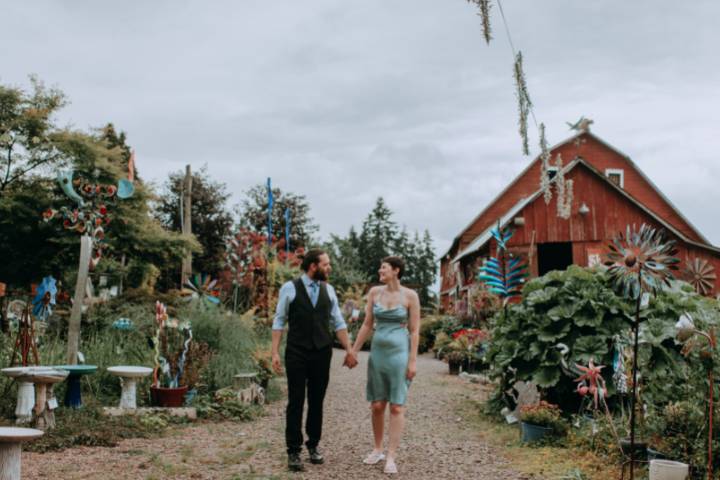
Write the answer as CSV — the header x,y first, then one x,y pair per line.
x,y
311,256
396,263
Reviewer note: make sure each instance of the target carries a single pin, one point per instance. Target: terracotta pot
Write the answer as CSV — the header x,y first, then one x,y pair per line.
x,y
168,397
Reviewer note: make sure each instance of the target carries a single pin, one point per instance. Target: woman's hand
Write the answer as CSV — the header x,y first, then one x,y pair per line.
x,y
411,370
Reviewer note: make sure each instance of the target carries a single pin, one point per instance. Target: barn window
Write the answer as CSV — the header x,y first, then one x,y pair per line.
x,y
552,172
616,176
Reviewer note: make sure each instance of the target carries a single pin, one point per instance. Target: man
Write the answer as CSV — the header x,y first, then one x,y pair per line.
x,y
310,307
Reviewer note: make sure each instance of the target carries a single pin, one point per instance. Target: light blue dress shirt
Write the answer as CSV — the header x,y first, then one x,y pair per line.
x,y
287,295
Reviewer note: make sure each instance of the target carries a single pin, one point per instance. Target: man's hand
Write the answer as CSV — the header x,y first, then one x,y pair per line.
x,y
276,364
350,359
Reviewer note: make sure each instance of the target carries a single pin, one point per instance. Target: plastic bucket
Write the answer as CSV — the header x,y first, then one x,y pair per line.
x,y
668,470
533,433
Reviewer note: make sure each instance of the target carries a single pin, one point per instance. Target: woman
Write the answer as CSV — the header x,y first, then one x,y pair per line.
x,y
395,312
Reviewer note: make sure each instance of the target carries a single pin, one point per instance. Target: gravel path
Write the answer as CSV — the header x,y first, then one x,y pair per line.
x,y
437,444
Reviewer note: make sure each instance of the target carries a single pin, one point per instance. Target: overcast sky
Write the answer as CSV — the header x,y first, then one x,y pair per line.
x,y
347,101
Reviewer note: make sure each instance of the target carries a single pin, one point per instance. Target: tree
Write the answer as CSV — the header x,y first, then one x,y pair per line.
x,y
356,259
378,239
29,140
254,215
211,220
346,264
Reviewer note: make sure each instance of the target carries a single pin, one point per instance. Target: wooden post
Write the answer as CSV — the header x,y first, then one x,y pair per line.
x,y
186,223
76,313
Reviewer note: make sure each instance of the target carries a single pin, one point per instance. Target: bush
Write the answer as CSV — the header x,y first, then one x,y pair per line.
x,y
578,308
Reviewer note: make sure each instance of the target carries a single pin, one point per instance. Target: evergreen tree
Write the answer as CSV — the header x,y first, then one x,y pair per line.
x,y
254,214
211,220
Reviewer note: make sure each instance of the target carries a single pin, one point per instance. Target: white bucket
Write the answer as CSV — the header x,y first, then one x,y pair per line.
x,y
668,470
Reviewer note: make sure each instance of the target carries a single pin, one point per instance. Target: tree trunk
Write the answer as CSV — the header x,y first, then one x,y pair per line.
x,y
76,313
187,223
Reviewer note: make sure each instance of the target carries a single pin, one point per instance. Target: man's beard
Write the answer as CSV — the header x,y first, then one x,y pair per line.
x,y
320,276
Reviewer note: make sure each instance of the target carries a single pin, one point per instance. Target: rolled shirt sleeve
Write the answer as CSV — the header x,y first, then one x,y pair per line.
x,y
285,298
335,312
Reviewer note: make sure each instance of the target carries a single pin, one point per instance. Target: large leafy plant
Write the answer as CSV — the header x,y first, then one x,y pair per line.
x,y
577,308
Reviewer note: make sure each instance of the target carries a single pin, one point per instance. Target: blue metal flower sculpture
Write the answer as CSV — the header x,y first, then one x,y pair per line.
x,y
504,275
44,298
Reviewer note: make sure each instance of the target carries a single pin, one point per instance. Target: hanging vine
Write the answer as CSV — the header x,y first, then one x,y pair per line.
x,y
545,166
484,14
524,103
564,191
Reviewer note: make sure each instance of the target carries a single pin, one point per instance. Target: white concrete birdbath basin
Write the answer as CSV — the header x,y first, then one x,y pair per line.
x,y
11,439
28,398
129,376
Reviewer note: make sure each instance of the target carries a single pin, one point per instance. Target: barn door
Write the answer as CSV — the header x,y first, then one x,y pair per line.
x,y
554,256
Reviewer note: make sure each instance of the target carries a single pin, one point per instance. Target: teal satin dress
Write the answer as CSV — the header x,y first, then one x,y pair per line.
x,y
389,354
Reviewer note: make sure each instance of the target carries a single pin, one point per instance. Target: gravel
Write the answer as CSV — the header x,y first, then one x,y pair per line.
x,y
437,444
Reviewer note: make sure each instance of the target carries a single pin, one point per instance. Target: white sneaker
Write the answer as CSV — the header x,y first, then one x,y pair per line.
x,y
374,458
390,467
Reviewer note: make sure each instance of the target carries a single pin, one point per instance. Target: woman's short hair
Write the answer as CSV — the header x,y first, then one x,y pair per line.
x,y
396,263
311,256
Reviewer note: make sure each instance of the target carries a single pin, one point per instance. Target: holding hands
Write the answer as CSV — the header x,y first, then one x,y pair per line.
x,y
351,360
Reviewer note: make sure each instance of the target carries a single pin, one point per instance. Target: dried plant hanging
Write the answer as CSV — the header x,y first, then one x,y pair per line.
x,y
524,103
545,166
564,191
484,14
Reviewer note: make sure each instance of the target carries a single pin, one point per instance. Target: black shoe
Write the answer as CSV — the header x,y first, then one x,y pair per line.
x,y
295,464
315,456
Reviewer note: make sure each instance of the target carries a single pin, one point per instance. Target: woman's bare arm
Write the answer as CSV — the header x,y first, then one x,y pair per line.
x,y
367,325
414,328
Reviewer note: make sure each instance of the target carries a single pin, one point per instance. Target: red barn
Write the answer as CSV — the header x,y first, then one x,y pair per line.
x,y
609,193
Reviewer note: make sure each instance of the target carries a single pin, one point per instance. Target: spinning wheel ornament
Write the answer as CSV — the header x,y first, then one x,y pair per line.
x,y
701,275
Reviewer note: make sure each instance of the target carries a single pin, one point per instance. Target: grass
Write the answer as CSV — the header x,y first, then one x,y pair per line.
x,y
546,461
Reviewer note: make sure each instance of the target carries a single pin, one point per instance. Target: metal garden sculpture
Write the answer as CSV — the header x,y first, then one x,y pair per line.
x,y
44,298
89,217
640,262
505,274
686,330
701,275
202,287
165,374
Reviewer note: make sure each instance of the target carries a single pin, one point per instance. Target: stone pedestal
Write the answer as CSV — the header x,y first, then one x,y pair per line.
x,y
128,380
10,450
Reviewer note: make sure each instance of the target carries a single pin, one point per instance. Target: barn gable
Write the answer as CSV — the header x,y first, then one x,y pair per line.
x,y
605,159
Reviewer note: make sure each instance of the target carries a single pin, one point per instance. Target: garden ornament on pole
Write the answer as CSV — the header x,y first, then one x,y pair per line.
x,y
640,261
504,274
270,207
686,329
88,217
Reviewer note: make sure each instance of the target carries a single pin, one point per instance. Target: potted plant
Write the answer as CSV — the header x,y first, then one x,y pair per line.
x,y
172,345
455,359
540,421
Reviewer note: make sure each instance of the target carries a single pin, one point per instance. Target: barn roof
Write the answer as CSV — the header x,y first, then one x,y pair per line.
x,y
484,237
705,242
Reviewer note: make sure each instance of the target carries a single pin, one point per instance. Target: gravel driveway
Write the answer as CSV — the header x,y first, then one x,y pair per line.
x,y
437,444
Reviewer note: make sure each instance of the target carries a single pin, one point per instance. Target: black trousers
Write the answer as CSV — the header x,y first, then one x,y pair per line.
x,y
307,371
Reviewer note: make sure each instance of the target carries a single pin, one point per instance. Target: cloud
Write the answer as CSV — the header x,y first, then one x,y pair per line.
x,y
348,101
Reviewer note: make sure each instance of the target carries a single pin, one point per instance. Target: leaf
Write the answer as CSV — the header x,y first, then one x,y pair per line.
x,y
547,377
590,348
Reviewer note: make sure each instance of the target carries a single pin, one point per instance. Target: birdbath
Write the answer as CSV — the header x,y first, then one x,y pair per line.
x,y
45,403
11,439
128,380
25,395
29,397
73,394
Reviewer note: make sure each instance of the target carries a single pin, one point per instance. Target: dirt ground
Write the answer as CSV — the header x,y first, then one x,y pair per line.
x,y
438,444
